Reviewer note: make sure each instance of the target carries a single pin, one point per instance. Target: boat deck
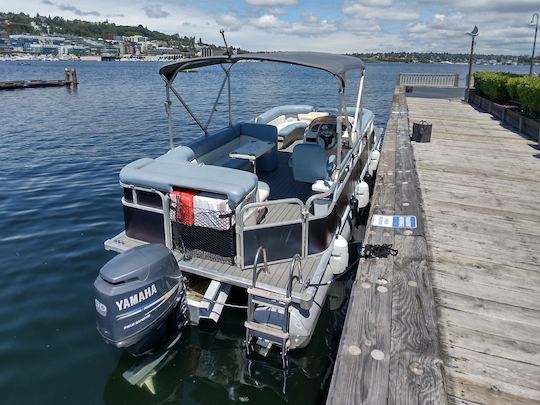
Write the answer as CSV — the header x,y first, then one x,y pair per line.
x,y
281,181
282,185
276,280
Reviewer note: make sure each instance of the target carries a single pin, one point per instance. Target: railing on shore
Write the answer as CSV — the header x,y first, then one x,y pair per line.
x,y
429,79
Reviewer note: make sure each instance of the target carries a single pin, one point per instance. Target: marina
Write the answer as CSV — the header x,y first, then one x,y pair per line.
x,y
71,168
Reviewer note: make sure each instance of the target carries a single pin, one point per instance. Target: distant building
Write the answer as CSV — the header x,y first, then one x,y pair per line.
x,y
37,44
5,46
211,51
138,39
74,50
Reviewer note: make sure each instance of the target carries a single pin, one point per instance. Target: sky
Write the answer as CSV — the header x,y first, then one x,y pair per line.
x,y
342,26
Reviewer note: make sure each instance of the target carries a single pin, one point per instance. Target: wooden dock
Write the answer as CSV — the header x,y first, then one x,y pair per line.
x,y
70,79
29,84
455,316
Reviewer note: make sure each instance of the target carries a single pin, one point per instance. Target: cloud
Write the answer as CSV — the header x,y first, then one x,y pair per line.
x,y
361,26
372,3
499,6
352,26
380,10
155,11
73,9
272,2
230,21
502,24
440,24
77,11
310,25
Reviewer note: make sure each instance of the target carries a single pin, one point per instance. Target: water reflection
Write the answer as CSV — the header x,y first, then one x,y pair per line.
x,y
209,364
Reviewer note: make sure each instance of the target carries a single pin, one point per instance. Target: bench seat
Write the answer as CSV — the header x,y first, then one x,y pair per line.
x,y
164,175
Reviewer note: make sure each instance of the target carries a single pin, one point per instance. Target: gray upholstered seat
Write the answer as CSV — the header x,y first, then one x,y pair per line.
x,y
285,119
310,163
214,148
163,175
291,109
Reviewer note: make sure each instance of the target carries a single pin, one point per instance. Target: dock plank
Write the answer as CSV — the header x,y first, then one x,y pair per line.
x,y
389,351
479,183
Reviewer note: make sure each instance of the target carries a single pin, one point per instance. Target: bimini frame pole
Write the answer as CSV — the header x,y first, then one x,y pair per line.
x,y
219,96
169,116
228,73
179,97
342,113
359,104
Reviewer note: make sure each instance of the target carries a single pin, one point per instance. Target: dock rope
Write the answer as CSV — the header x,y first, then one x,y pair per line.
x,y
378,251
364,252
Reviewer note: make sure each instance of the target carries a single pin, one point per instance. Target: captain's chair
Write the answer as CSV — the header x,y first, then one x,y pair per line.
x,y
310,163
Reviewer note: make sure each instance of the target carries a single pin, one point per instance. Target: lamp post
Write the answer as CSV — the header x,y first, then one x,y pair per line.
x,y
534,43
473,34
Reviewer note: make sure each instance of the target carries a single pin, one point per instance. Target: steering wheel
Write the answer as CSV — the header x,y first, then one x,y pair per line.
x,y
326,133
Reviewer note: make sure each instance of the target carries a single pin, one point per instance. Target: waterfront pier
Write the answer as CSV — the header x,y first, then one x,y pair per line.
x,y
70,79
455,316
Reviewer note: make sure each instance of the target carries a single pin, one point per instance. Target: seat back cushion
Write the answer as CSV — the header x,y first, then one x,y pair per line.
x,y
291,109
309,163
164,175
212,141
178,154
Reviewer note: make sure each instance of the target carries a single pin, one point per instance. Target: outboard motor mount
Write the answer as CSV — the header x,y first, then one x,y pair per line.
x,y
140,300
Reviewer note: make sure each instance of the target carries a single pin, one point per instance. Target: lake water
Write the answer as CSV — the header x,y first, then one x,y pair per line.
x,y
61,152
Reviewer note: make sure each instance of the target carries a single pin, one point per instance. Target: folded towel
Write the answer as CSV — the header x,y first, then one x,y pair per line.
x,y
212,212
182,207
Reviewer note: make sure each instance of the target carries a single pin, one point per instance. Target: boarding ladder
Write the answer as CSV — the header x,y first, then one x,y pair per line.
x,y
277,332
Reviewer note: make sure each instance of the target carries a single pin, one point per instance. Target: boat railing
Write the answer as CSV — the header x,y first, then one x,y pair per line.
x,y
306,210
296,262
429,79
264,269
242,227
164,209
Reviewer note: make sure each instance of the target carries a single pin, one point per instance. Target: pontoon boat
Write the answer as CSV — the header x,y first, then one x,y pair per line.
x,y
267,206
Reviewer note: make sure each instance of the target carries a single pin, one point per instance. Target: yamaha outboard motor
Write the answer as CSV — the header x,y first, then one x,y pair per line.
x,y
140,300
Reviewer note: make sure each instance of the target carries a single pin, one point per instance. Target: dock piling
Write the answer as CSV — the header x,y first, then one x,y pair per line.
x,y
74,81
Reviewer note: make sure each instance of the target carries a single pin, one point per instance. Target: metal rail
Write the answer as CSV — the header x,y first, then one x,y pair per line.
x,y
256,263
429,79
335,189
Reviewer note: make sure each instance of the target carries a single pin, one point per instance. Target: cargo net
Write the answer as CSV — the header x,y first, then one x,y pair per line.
x,y
206,233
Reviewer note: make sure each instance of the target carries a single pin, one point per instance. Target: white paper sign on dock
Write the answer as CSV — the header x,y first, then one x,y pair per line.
x,y
394,221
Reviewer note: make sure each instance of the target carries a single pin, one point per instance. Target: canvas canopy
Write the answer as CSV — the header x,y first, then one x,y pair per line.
x,y
334,64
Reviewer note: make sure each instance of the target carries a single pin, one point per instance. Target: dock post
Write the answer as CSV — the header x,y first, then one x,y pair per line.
x,y
74,81
67,75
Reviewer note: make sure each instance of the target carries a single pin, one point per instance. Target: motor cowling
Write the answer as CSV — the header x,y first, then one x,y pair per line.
x,y
140,299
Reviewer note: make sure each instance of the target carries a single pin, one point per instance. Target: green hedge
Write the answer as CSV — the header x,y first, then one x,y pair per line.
x,y
493,85
509,87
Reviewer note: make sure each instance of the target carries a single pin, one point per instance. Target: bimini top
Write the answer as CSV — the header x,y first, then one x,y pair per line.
x,y
329,62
